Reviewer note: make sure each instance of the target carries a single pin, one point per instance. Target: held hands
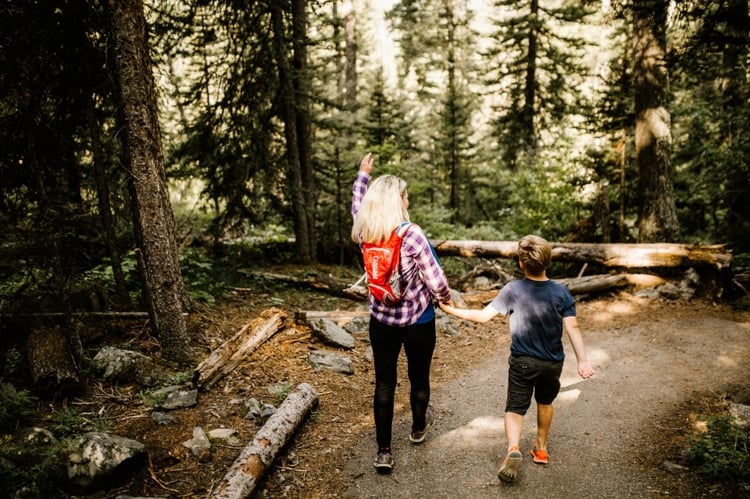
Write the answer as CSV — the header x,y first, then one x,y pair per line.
x,y
585,370
365,166
447,307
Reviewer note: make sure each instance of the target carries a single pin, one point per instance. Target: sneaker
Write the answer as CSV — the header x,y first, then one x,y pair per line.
x,y
509,470
417,437
384,462
540,456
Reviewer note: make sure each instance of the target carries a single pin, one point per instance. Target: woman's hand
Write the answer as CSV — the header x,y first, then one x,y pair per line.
x,y
365,166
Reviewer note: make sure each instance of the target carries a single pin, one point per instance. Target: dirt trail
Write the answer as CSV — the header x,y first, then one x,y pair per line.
x,y
602,429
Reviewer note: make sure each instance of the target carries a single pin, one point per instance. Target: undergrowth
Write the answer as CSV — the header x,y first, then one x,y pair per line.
x,y
721,452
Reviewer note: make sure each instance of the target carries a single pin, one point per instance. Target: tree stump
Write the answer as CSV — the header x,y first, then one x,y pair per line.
x,y
51,362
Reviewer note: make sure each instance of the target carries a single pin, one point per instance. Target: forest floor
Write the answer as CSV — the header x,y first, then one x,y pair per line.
x,y
662,365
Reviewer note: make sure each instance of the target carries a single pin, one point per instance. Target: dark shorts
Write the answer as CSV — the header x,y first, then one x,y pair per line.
x,y
527,376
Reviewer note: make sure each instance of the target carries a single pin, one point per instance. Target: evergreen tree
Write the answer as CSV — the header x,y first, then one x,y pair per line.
x,y
154,221
711,152
657,218
613,164
535,70
437,49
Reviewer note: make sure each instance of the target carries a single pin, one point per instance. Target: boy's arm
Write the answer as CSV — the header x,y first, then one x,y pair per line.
x,y
476,315
585,370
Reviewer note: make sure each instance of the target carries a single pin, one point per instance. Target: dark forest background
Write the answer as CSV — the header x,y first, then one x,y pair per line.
x,y
144,144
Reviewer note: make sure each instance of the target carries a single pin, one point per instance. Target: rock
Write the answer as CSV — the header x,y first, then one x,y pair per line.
x,y
37,436
98,455
121,366
740,415
162,418
458,299
671,467
358,325
445,324
175,397
329,333
252,407
320,359
199,445
267,411
229,435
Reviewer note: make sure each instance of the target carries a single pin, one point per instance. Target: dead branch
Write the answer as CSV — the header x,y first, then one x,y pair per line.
x,y
239,347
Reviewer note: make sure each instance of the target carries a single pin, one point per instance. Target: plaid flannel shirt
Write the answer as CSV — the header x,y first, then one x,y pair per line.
x,y
423,277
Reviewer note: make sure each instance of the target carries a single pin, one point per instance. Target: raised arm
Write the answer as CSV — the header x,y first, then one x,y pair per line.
x,y
360,184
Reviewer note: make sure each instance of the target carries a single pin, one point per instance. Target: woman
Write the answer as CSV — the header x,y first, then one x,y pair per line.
x,y
377,211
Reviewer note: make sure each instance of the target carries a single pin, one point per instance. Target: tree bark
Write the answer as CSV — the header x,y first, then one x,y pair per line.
x,y
306,316
293,136
104,205
611,255
531,85
248,469
657,216
52,364
154,221
302,91
239,347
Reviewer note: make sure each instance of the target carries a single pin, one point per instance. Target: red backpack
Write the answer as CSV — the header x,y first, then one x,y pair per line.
x,y
382,267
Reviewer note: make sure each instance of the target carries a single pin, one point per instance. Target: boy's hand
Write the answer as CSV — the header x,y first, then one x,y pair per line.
x,y
585,370
447,307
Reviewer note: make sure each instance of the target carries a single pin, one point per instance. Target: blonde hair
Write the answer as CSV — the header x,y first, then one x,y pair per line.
x,y
382,209
534,253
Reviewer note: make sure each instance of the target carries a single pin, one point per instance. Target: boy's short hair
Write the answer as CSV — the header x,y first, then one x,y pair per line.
x,y
535,253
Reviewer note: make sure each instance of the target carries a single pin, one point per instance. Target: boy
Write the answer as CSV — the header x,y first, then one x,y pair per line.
x,y
538,308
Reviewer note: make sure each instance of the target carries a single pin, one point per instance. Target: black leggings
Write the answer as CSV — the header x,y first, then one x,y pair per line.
x,y
419,344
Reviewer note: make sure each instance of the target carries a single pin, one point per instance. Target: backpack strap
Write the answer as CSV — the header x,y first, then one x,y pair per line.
x,y
401,229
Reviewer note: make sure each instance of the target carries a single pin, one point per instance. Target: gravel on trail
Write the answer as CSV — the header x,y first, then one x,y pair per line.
x,y
599,443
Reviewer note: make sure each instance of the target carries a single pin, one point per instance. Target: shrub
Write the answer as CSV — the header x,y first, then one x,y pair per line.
x,y
16,407
722,451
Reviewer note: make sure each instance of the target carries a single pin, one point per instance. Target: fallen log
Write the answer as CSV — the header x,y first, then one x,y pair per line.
x,y
593,284
314,281
585,285
250,466
334,315
238,347
611,255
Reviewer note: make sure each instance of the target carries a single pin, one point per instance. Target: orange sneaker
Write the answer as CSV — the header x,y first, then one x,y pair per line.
x,y
540,456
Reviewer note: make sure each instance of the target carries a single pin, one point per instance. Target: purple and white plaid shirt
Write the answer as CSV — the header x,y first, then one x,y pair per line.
x,y
420,271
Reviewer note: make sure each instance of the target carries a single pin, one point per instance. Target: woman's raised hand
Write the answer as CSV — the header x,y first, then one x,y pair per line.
x,y
365,166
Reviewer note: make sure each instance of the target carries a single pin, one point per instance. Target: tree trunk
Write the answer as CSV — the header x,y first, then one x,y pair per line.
x,y
250,466
530,89
292,136
105,208
657,216
154,221
301,84
611,255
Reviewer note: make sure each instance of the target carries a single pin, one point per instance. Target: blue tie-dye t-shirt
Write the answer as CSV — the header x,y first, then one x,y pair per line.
x,y
535,311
